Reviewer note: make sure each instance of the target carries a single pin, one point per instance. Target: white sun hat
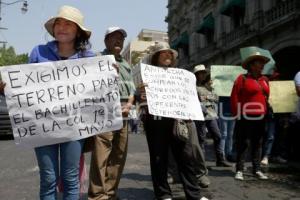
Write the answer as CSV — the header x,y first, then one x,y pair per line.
x,y
114,29
69,13
199,68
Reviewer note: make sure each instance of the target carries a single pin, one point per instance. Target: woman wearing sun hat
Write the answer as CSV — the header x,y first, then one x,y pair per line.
x,y
160,138
249,104
71,41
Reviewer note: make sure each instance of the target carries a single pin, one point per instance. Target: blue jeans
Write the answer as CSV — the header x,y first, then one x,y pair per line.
x,y
226,128
269,140
48,160
212,128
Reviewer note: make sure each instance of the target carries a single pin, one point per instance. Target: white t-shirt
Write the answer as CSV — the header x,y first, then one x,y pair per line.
x,y
297,83
297,79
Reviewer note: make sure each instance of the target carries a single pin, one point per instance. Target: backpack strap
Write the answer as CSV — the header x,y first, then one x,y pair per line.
x,y
260,86
263,91
244,80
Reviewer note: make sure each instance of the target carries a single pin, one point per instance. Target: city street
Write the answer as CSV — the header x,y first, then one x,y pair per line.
x,y
20,179
71,69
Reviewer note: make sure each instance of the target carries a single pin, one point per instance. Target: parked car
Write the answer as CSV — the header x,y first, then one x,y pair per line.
x,y
5,126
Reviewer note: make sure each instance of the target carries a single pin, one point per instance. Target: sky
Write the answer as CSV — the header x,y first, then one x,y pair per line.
x,y
24,31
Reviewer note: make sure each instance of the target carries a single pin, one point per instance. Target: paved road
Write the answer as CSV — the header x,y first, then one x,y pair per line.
x,y
19,177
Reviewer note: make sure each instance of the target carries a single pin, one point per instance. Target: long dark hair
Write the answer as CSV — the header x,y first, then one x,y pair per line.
x,y
82,42
154,59
207,79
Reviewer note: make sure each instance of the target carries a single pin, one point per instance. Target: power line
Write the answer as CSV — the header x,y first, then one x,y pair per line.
x,y
24,9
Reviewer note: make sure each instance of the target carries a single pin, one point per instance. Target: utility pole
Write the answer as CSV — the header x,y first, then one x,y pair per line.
x,y
24,9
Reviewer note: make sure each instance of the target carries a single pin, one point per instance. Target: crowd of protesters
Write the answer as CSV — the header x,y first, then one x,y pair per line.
x,y
235,123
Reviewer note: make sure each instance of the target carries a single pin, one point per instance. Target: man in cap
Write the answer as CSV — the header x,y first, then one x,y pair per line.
x,y
110,149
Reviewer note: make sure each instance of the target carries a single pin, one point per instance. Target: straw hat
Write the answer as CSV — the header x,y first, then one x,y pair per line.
x,y
114,29
69,13
252,53
162,46
199,68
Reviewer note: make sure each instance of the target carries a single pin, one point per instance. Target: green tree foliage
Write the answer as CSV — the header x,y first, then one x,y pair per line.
x,y
8,57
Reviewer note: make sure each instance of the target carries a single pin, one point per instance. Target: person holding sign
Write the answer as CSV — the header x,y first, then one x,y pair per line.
x,y
160,138
249,98
71,41
110,149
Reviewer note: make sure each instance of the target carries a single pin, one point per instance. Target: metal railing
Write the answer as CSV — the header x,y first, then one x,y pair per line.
x,y
281,10
237,34
280,13
208,49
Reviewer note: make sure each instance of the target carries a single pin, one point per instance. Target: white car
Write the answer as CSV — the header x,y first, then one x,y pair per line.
x,y
5,126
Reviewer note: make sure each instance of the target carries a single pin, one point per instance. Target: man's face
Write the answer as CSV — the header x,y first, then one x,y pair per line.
x,y
114,42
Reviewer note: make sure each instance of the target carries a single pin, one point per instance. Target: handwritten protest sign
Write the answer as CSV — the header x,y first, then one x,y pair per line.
x,y
171,92
223,77
283,97
55,102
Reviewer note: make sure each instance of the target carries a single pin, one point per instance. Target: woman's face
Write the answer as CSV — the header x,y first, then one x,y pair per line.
x,y
257,67
165,58
201,75
65,31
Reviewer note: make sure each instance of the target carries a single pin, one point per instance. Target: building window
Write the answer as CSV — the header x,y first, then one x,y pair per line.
x,y
185,50
238,19
181,42
236,10
209,37
280,1
206,27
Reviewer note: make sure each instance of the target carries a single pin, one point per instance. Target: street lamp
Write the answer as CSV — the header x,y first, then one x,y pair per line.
x,y
24,8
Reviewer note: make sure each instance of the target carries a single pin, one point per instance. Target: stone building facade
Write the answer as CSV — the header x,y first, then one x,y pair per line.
x,y
136,49
213,31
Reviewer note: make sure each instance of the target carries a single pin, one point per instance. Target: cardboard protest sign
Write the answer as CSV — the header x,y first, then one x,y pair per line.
x,y
283,97
171,92
223,77
55,102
